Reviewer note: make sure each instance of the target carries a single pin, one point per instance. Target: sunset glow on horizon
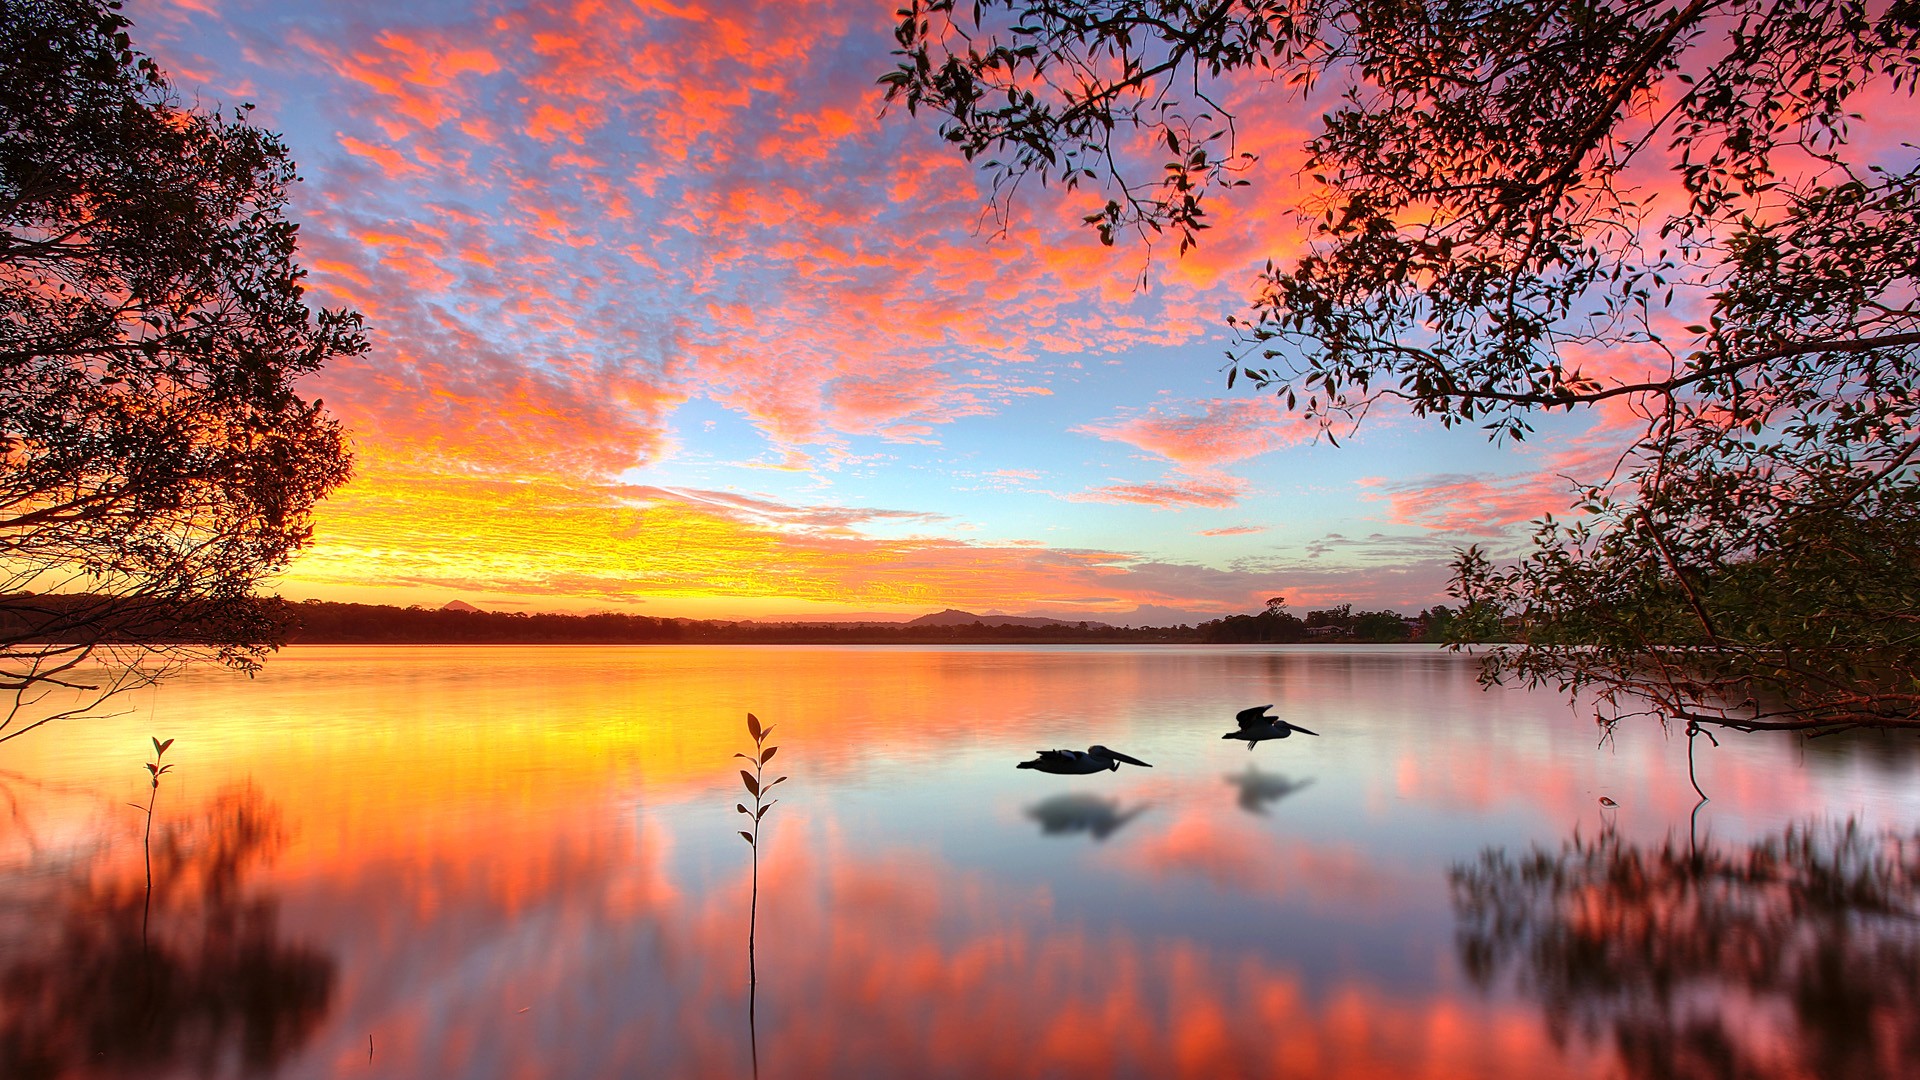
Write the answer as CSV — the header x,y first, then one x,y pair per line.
x,y
667,318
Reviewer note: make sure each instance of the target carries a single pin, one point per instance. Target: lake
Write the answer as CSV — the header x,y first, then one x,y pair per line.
x,y
523,862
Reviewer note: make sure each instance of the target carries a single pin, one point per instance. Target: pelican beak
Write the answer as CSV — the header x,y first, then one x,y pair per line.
x,y
1118,756
1303,731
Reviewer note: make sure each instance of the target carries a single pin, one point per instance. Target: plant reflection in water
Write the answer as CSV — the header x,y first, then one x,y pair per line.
x,y
1091,814
1798,955
213,991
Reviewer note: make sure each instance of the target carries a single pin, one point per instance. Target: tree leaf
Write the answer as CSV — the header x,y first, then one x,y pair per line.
x,y
747,836
753,786
768,755
753,726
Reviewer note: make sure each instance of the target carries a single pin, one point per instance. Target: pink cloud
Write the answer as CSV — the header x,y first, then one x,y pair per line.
x,y
1176,492
1220,432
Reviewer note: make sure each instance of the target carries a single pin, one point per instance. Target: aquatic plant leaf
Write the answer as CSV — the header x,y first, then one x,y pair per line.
x,y
746,757
768,756
764,809
765,734
747,836
742,807
159,747
152,768
776,781
753,726
753,786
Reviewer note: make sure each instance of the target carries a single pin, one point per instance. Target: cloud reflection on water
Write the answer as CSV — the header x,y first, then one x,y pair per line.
x,y
518,862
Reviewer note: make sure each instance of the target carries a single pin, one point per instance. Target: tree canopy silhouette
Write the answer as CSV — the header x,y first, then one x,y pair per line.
x,y
158,462
1653,209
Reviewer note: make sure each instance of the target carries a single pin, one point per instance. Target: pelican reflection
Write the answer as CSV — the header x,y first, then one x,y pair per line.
x,y
1092,814
1257,789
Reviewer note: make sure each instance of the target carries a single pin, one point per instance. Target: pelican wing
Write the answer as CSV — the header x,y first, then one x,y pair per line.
x,y
1254,717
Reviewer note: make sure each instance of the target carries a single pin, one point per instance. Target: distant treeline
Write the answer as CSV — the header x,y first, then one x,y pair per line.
x,y
1336,624
28,618
326,623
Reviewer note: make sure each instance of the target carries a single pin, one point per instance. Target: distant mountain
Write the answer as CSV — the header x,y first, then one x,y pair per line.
x,y
955,617
458,605
1155,615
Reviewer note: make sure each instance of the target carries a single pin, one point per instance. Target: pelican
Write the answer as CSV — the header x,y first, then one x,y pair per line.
x,y
1077,762
1256,726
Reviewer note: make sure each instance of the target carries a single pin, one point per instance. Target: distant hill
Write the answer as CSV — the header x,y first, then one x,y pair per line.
x,y
458,605
956,617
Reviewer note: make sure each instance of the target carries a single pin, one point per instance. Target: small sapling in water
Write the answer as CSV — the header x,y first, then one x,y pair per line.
x,y
757,785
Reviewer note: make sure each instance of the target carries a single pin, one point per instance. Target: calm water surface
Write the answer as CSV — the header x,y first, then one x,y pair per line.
x,y
521,862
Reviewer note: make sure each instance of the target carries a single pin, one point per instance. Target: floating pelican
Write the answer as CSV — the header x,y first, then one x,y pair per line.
x,y
1256,726
1090,814
1076,762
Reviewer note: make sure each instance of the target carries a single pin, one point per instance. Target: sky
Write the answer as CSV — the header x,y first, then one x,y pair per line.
x,y
668,318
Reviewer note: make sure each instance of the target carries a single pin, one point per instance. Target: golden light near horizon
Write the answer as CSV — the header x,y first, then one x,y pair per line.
x,y
667,318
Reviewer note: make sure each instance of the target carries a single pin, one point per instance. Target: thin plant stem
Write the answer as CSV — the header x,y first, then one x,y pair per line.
x,y
753,977
155,771
1694,729
146,847
757,786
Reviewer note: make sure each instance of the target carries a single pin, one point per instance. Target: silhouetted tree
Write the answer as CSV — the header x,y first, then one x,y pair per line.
x,y
1271,626
155,461
1339,617
1380,626
1434,624
1754,559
